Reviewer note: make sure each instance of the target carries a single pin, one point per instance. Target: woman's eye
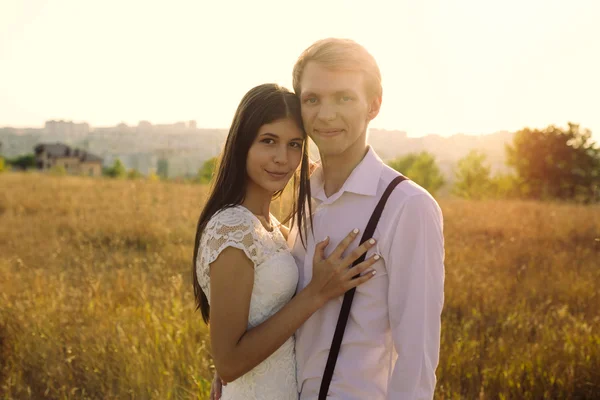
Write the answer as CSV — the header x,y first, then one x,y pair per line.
x,y
268,141
346,98
296,145
311,100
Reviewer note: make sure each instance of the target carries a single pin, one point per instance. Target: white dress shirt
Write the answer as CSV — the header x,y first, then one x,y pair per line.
x,y
391,345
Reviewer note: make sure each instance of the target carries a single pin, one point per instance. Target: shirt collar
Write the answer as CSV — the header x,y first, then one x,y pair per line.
x,y
363,180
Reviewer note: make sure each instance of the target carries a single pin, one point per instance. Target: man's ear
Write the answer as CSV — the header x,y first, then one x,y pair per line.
x,y
374,107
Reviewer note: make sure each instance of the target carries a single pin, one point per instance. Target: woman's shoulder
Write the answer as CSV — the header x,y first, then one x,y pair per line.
x,y
233,218
231,226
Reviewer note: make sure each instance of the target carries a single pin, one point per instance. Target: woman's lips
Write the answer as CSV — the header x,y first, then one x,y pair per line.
x,y
277,175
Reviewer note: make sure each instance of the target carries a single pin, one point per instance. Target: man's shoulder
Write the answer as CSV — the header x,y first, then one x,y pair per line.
x,y
406,190
408,200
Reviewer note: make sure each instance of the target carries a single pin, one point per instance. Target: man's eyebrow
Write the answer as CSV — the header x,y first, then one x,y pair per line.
x,y
345,91
336,93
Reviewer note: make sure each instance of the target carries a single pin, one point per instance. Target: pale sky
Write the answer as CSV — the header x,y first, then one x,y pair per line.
x,y
448,66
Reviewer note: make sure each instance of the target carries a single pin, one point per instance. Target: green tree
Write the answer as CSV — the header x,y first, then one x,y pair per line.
x,y
207,170
422,169
403,164
506,186
473,180
23,162
555,163
162,168
117,170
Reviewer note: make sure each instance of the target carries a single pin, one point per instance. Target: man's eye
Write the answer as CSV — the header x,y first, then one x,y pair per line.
x,y
346,98
311,100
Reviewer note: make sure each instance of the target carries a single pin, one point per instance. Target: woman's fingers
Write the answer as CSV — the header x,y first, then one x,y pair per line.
x,y
360,280
359,251
362,267
340,248
320,250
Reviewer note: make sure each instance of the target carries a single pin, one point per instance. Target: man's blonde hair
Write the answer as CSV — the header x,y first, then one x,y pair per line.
x,y
343,55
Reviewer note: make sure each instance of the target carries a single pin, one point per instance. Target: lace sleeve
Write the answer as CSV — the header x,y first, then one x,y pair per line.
x,y
230,228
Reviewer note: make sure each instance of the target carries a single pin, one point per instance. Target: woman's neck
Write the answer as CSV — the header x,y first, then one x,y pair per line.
x,y
258,201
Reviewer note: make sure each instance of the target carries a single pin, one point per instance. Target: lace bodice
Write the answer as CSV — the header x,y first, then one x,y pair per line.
x,y
275,280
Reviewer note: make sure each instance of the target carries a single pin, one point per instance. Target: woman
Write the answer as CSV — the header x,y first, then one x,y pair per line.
x,y
244,275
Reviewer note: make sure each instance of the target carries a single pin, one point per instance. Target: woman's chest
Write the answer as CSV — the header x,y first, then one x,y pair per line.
x,y
275,281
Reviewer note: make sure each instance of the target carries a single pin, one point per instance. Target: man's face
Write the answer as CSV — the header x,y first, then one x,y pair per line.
x,y
336,109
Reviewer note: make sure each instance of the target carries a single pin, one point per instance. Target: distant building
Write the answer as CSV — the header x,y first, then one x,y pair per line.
x,y
67,128
144,126
74,161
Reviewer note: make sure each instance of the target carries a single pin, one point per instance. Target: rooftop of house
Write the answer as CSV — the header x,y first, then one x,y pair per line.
x,y
59,150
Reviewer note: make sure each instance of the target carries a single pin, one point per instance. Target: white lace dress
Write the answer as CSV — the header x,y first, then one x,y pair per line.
x,y
275,280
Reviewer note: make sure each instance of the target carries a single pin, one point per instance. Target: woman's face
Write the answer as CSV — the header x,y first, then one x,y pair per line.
x,y
275,155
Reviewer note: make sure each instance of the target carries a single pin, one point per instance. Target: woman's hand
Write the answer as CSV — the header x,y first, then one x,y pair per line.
x,y
216,387
237,349
332,276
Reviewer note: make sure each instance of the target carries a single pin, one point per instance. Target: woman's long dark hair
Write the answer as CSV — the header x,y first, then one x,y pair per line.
x,y
262,105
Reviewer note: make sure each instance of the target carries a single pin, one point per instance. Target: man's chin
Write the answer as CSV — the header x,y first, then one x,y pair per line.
x,y
330,149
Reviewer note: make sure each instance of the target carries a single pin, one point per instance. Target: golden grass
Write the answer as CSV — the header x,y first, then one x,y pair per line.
x,y
96,300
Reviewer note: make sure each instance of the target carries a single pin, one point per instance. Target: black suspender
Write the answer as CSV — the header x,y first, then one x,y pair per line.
x,y
349,296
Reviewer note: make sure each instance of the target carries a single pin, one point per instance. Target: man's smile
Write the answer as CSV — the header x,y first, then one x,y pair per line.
x,y
328,132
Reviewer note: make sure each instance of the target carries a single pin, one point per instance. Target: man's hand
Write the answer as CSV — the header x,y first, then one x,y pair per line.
x,y
215,387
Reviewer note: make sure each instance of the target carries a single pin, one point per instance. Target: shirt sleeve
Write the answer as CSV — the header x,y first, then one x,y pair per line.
x,y
415,298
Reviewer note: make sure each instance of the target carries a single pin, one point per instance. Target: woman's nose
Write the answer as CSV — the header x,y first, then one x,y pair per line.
x,y
281,155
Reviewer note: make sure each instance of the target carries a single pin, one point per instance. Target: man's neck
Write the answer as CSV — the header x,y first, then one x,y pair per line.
x,y
337,168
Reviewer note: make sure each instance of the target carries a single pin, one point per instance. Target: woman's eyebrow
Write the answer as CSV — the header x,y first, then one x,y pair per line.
x,y
270,135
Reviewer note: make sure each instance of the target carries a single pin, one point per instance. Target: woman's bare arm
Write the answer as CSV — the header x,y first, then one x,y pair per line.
x,y
237,350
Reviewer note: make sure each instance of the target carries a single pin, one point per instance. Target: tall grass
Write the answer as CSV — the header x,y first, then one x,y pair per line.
x,y
96,300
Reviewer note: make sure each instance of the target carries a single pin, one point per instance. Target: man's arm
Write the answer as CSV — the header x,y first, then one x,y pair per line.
x,y
415,268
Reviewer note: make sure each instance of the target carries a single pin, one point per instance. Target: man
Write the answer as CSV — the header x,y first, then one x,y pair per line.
x,y
390,348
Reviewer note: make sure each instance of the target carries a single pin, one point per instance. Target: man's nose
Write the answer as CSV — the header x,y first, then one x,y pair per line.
x,y
327,112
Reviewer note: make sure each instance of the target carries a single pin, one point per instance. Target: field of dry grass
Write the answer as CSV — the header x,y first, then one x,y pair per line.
x,y
96,300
